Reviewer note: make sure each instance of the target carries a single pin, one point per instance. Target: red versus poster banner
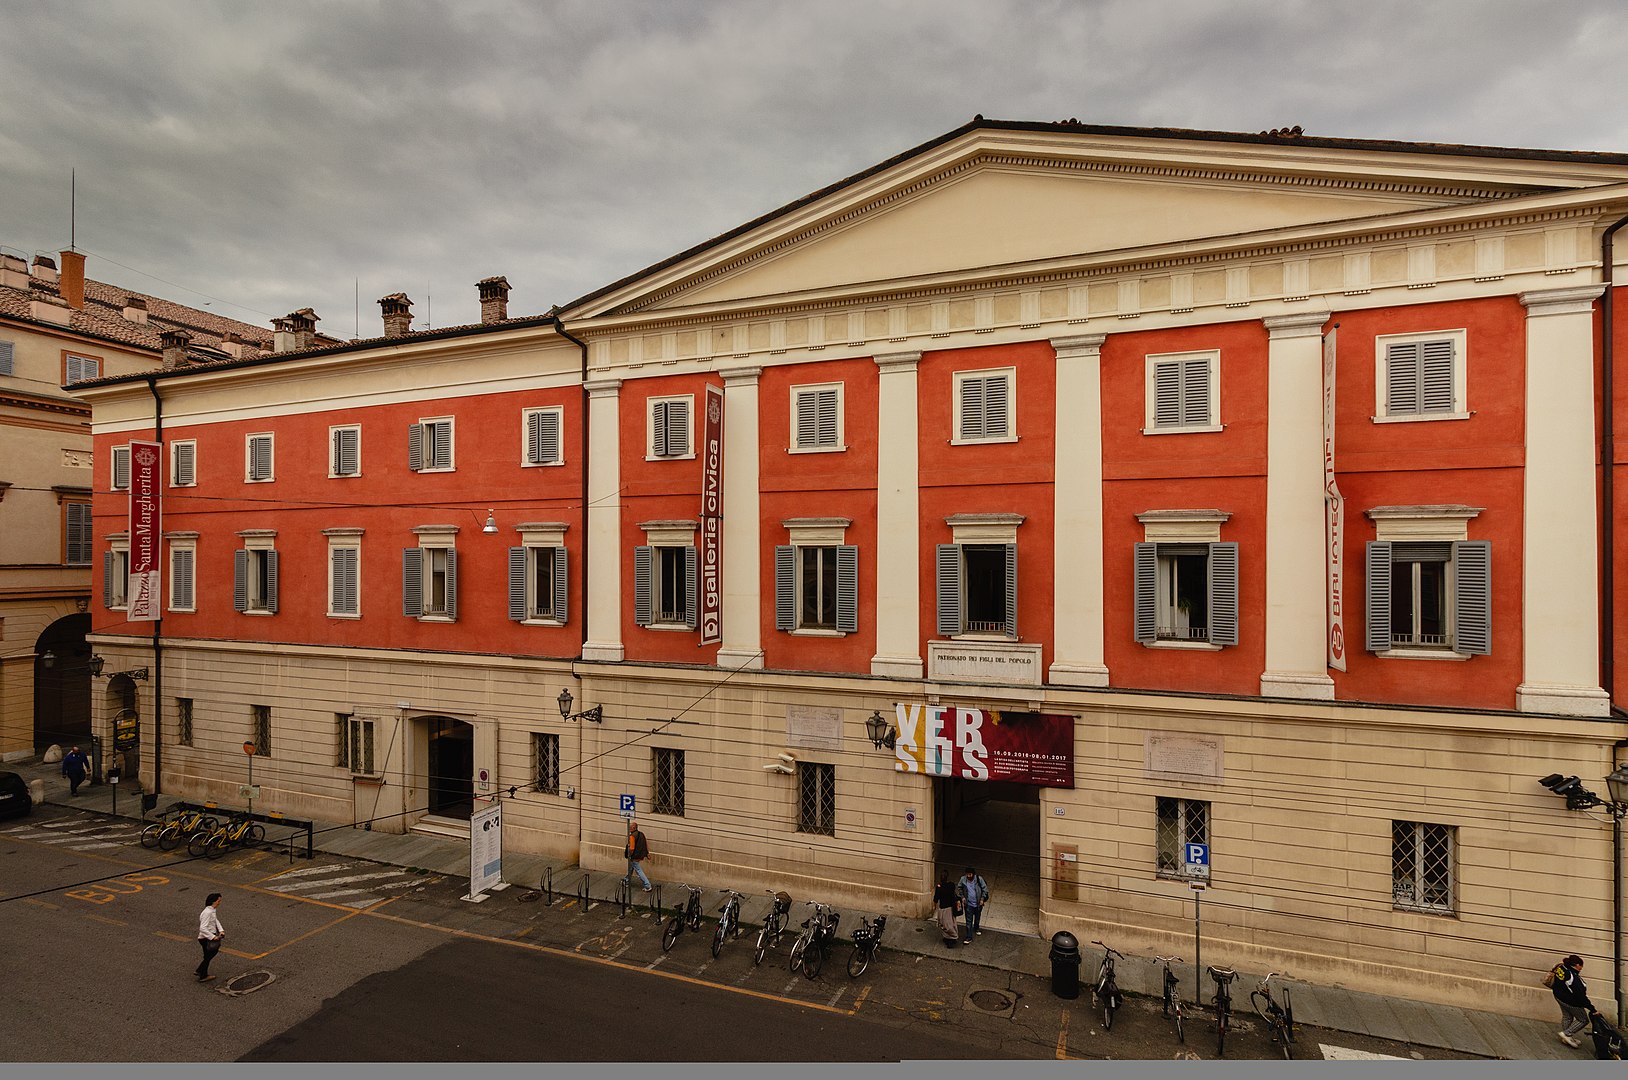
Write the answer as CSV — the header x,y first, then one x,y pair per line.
x,y
145,581
985,744
710,570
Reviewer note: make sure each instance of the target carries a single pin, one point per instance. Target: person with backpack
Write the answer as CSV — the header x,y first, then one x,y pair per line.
x,y
973,893
637,850
1571,994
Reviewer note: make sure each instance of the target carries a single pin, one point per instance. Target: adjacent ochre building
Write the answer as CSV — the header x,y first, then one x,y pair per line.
x,y
1177,507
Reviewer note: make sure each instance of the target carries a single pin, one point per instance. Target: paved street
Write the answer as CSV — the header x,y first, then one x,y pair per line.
x,y
341,959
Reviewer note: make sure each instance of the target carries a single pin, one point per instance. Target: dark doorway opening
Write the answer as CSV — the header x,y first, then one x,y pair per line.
x,y
452,768
62,684
993,826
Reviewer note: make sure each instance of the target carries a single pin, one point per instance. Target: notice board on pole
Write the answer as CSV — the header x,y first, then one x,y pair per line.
x,y
485,850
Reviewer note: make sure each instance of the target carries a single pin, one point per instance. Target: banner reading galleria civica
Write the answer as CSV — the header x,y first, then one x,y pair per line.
x,y
985,744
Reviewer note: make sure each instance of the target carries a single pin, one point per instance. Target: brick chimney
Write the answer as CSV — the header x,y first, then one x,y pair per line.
x,y
301,325
175,344
45,269
494,299
398,314
232,344
135,309
73,279
13,272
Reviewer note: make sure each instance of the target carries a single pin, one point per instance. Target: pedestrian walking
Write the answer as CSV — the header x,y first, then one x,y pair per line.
x,y
637,851
1571,994
949,906
74,767
210,935
973,892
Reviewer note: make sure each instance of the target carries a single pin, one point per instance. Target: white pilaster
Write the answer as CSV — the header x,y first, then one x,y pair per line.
x,y
1077,634
1296,544
898,520
1560,587
604,539
742,645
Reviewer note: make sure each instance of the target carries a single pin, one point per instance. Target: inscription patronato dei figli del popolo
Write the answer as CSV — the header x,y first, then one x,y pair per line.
x,y
998,662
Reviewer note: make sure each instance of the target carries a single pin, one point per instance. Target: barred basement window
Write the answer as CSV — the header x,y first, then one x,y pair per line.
x,y
260,730
1422,867
1181,822
816,798
355,744
545,757
669,797
183,719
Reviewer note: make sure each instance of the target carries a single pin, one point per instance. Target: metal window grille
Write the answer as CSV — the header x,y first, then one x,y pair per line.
x,y
1422,867
1181,822
260,731
816,798
183,718
669,797
545,756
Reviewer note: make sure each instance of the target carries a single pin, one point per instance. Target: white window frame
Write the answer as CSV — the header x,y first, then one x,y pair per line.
x,y
183,551
957,381
664,536
839,428
347,540
526,460
260,546
1460,338
650,447
983,530
1177,529
1150,395
433,539
249,442
535,538
1436,523
93,362
357,744
816,534
1178,870
190,446
116,574
428,425
120,463
334,433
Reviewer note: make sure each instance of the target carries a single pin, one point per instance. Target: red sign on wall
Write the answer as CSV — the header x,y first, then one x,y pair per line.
x,y
145,581
985,744
711,567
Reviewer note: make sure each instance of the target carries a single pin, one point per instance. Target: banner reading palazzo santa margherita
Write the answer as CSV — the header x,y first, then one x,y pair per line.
x,y
143,589
985,744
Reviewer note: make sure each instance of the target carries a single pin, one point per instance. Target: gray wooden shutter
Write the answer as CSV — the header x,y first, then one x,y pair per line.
x,y
121,468
972,408
1011,590
185,464
412,582
1146,621
260,457
1167,394
1195,391
690,595
271,582
181,586
785,582
343,585
452,583
658,429
808,419
997,392
1472,597
562,583
415,447
240,580
347,452
848,589
5,358
517,584
678,428
81,534
1401,385
440,434
827,435
1223,586
641,586
949,590
1378,589
1436,377
543,437
107,579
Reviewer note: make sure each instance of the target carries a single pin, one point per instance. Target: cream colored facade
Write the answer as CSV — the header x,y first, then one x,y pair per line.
x,y
1017,237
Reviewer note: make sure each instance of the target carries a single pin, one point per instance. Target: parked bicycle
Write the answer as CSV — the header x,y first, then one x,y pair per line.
x,y
179,828
773,926
150,834
867,939
1108,995
800,946
239,830
819,944
1223,1005
1279,1019
686,918
1172,995
729,921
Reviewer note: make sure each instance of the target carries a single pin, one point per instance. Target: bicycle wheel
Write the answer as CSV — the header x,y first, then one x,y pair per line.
x,y
254,836
1107,1010
198,844
1283,1039
814,959
150,835
1288,1014
718,938
1181,1036
858,961
762,946
1261,1004
798,947
692,916
219,845
1221,1034
675,926
168,837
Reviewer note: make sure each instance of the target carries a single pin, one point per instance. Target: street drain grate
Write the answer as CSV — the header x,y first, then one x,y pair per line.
x,y
246,983
993,1002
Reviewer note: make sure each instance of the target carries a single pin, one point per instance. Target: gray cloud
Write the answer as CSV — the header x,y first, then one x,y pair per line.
x,y
279,156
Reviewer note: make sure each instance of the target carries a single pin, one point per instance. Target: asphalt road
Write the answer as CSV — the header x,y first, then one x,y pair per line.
x,y
343,960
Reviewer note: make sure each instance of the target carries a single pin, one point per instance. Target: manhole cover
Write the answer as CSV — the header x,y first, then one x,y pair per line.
x,y
247,983
994,1002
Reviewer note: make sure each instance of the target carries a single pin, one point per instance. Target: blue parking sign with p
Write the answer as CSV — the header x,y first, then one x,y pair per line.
x,y
627,805
1198,854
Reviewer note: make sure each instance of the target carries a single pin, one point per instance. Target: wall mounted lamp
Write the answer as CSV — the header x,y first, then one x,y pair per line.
x,y
880,732
595,715
1579,797
491,523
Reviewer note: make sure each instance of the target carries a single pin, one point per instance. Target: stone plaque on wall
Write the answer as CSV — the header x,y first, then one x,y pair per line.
x,y
984,662
1183,757
813,728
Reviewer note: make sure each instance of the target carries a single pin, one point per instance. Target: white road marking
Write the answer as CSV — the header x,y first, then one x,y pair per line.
x,y
313,870
337,892
93,847
324,883
1342,1053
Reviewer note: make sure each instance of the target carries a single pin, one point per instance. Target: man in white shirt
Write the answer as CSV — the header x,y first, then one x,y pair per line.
x,y
210,935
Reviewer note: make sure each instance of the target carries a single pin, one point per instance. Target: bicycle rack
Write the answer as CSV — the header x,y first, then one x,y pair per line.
x,y
582,894
624,898
654,906
547,885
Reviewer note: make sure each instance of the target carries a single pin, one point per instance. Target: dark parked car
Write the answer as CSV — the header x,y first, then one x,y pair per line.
x,y
15,801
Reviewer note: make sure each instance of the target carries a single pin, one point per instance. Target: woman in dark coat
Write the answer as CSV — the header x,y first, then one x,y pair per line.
x,y
949,906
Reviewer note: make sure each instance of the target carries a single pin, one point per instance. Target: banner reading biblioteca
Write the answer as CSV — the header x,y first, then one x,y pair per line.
x,y
144,586
985,744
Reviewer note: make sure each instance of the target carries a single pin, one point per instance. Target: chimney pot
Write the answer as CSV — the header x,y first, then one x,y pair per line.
x,y
45,269
135,309
73,279
301,328
494,299
13,272
175,344
398,314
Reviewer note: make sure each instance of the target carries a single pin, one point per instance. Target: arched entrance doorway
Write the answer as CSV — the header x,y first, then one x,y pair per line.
x,y
451,760
124,708
62,683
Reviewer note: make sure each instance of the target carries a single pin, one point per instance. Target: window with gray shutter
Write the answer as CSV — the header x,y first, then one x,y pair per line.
x,y
81,368
1186,592
240,580
691,593
562,580
346,451
1377,596
6,361
985,407
1181,393
785,587
181,579
345,563
79,544
412,582
949,590
517,584
107,580
642,600
848,589
184,458
260,463
1419,377
269,599
451,606
1223,594
415,447
543,437
1472,597
670,428
121,468
1434,594
1147,580
817,418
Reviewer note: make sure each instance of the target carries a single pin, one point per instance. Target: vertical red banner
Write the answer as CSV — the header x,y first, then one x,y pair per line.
x,y
145,584
711,567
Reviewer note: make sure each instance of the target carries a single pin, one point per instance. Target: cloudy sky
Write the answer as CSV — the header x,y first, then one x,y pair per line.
x,y
264,157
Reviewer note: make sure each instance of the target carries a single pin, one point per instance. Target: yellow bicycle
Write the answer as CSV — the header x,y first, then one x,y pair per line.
x,y
214,844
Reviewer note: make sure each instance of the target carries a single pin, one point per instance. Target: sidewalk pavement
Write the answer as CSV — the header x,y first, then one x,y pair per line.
x,y
1421,1023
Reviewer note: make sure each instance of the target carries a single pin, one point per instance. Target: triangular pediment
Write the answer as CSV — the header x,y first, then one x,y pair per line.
x,y
989,200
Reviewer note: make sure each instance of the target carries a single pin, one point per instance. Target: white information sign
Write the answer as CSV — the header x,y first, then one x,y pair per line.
x,y
485,851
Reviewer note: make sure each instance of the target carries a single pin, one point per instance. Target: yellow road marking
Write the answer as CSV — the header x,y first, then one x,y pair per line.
x,y
860,1000
43,903
1062,1038
110,922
